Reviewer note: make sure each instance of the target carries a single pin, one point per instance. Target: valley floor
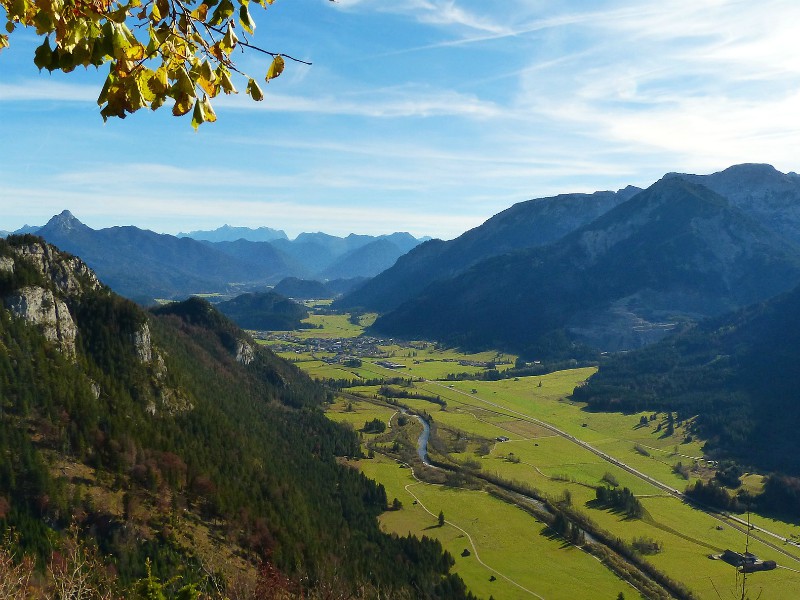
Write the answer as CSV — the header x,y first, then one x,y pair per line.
x,y
499,430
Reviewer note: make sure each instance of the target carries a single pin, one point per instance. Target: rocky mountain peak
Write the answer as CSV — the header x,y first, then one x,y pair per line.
x,y
65,222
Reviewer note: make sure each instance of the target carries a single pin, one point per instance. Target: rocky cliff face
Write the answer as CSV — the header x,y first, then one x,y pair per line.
x,y
50,295
39,306
143,344
245,353
69,274
63,276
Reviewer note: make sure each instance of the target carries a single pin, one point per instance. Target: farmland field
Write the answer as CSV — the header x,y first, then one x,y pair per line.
x,y
500,429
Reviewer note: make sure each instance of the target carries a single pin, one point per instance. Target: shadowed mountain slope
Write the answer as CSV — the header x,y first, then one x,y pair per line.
x,y
525,225
738,372
676,251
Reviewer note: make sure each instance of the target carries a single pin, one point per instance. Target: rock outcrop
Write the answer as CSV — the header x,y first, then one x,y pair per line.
x,y
39,306
68,273
245,353
143,344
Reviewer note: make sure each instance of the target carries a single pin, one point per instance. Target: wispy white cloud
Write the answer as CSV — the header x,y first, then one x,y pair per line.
x,y
33,90
443,13
398,102
529,99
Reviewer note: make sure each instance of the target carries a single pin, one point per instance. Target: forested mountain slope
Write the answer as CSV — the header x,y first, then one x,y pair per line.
x,y
145,429
675,252
737,372
264,311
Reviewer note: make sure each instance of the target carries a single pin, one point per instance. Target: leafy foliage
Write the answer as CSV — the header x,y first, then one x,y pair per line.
x,y
620,499
181,51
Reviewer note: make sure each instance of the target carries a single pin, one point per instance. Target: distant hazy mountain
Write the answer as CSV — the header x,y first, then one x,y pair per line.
x,y
263,255
326,256
738,372
25,229
264,311
143,265
227,233
365,261
525,225
675,252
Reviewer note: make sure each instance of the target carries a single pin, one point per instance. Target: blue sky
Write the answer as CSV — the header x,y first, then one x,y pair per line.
x,y
426,116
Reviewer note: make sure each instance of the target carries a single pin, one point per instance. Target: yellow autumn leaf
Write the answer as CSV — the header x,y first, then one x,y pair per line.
x,y
276,68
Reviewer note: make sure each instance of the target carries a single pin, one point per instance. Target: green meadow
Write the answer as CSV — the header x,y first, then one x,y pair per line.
x,y
502,541
524,558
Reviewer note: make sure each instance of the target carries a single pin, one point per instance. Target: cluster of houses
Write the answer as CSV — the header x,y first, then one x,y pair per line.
x,y
336,350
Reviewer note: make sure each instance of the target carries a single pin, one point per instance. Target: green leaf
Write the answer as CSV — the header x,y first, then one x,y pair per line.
x,y
209,113
206,78
225,80
124,43
222,13
276,68
245,19
228,42
198,116
183,86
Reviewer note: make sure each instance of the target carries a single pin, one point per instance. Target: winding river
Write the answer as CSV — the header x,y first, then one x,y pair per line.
x,y
422,442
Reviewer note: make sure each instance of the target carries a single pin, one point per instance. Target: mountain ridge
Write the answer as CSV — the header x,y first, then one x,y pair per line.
x,y
144,265
675,250
510,230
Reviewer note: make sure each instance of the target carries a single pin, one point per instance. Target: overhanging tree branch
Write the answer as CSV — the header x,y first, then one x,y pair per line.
x,y
182,52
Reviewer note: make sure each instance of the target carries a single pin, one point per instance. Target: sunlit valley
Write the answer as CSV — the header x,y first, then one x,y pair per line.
x,y
587,396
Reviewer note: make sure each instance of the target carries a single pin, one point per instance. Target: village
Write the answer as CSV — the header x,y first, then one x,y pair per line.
x,y
346,349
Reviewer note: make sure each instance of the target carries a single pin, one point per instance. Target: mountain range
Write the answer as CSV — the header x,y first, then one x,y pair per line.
x,y
229,233
143,265
615,277
527,224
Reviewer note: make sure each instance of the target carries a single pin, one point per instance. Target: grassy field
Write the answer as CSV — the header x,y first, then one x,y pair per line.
x,y
512,542
329,326
518,551
553,464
